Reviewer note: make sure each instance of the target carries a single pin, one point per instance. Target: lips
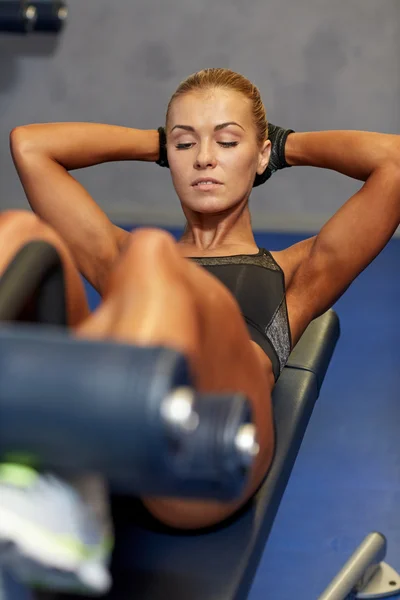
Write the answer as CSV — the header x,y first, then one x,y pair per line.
x,y
204,181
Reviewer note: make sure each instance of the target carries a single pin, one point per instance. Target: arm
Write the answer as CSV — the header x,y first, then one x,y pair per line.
x,y
43,155
360,229
353,153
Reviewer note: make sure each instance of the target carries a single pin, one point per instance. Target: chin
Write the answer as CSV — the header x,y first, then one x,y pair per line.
x,y
209,205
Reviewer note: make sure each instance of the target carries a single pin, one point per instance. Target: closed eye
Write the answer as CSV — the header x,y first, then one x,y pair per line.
x,y
188,145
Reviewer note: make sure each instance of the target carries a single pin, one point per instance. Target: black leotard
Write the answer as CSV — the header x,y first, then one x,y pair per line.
x,y
258,284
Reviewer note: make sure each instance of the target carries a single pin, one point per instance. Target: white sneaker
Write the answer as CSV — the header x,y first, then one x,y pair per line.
x,y
50,537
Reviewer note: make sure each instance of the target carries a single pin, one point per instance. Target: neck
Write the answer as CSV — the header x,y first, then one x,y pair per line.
x,y
211,231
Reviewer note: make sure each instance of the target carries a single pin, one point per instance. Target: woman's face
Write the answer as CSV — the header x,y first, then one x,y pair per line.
x,y
211,138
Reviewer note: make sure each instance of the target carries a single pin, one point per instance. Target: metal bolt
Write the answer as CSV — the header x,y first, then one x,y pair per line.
x,y
177,409
246,443
30,13
62,13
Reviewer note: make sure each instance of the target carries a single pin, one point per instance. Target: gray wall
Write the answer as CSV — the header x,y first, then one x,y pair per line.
x,y
319,65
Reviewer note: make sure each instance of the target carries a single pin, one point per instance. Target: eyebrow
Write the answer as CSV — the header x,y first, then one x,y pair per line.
x,y
216,128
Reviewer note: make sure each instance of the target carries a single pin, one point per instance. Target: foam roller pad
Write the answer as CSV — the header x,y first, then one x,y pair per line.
x,y
73,405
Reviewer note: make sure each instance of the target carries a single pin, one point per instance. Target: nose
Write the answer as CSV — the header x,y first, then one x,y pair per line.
x,y
205,156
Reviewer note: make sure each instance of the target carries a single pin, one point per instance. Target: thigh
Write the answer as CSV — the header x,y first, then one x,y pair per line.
x,y
229,361
226,360
18,228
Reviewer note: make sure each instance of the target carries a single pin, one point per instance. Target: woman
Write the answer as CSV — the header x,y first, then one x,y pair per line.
x,y
217,144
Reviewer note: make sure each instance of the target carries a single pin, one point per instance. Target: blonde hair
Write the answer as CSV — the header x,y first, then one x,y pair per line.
x,y
209,79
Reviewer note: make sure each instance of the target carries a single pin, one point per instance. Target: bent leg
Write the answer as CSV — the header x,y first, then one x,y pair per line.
x,y
40,542
156,296
18,228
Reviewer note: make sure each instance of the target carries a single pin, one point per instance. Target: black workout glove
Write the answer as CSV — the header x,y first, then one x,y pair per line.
x,y
163,159
277,161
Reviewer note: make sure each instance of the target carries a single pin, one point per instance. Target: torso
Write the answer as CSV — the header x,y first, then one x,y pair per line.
x,y
288,259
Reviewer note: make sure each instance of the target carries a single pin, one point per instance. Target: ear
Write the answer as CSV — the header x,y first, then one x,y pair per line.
x,y
264,155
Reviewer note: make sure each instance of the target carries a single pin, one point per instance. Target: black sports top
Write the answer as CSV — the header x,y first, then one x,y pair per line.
x,y
258,284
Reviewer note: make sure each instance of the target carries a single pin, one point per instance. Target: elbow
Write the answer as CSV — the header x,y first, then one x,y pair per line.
x,y
388,175
25,140
384,156
20,141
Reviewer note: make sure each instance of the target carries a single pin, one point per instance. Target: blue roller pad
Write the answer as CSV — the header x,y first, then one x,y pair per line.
x,y
79,405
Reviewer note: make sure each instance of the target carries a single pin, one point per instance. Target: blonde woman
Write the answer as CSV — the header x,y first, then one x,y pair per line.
x,y
235,310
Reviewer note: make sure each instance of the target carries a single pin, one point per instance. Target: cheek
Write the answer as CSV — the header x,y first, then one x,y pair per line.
x,y
243,156
244,165
179,160
178,168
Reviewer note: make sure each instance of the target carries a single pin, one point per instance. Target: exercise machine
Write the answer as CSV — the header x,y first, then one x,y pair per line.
x,y
182,443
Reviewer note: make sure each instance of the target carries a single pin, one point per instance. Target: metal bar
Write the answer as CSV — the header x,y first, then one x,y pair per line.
x,y
358,570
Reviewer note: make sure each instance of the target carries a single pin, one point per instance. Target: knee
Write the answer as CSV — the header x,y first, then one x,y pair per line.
x,y
19,218
146,242
18,227
150,254
23,223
